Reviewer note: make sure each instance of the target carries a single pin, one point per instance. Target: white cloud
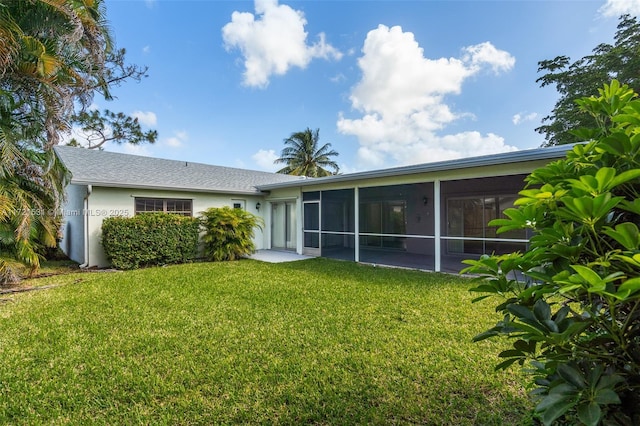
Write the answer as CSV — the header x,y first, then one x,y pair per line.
x,y
273,41
147,118
178,139
146,49
449,147
338,78
615,8
476,57
401,97
523,117
264,159
150,3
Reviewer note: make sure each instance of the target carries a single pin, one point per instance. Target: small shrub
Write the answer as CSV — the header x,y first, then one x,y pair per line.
x,y
150,239
571,302
228,233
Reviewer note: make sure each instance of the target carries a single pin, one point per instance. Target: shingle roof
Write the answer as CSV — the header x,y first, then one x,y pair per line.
x,y
103,168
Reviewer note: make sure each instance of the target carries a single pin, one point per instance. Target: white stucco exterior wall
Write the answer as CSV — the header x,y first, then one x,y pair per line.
x,y
72,242
107,202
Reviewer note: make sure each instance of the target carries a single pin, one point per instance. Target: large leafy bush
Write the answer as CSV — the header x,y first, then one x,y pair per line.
x,y
228,233
571,302
150,239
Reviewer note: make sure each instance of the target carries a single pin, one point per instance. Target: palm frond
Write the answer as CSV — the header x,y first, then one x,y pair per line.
x,y
303,157
10,269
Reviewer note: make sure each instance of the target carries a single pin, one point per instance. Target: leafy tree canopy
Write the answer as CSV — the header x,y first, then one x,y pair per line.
x,y
55,55
106,126
583,77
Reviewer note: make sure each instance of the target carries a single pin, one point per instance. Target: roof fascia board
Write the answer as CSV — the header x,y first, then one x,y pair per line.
x,y
551,153
164,188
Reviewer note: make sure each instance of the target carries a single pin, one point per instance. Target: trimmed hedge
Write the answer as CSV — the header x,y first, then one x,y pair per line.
x,y
150,239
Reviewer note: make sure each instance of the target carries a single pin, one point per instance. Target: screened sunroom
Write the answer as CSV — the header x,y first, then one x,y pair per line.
x,y
428,217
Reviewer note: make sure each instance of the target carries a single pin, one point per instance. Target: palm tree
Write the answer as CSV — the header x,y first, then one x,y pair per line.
x,y
303,157
53,56
56,57
29,215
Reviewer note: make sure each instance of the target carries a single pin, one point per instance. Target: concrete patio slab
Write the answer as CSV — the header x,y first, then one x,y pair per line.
x,y
275,256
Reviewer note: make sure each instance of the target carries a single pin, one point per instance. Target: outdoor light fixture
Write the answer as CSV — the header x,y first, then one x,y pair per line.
x,y
258,206
425,200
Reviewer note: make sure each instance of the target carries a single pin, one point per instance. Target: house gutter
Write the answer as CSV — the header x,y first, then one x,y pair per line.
x,y
536,154
86,227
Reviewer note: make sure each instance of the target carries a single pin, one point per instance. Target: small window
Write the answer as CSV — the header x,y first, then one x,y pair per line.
x,y
182,207
311,196
239,204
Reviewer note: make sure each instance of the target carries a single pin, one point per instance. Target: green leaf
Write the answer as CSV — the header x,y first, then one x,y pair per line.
x,y
588,210
552,411
594,375
526,216
631,206
551,325
538,275
589,414
555,398
589,276
564,389
484,288
608,381
629,287
525,346
542,310
561,314
607,396
505,364
510,353
486,335
617,144
624,177
595,185
594,282
573,330
571,375
632,260
533,328
479,298
627,234
521,312
484,265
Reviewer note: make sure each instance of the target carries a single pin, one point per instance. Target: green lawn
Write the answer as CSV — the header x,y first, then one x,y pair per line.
x,y
316,341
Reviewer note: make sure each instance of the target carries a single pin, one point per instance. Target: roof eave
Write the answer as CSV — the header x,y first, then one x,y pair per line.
x,y
551,153
164,187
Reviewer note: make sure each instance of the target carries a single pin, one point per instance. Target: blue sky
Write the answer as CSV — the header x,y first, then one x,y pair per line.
x,y
388,83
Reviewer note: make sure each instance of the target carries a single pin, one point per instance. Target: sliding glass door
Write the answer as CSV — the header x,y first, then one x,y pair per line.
x,y
468,231
283,225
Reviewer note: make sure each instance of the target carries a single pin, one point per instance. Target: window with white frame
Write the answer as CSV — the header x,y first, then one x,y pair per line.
x,y
239,204
183,207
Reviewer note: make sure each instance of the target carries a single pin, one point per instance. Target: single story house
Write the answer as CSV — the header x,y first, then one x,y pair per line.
x,y
426,216
105,184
